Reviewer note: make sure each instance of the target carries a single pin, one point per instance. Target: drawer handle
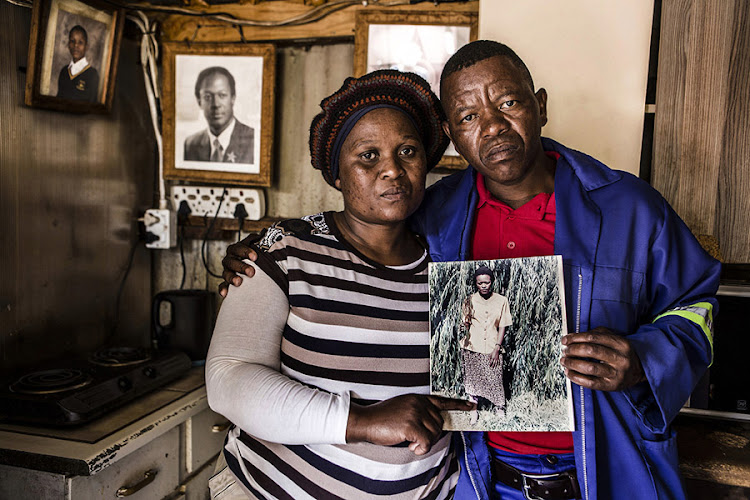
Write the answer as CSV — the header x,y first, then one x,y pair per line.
x,y
148,478
220,427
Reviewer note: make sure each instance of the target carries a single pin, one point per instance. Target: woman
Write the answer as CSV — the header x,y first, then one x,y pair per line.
x,y
322,360
485,316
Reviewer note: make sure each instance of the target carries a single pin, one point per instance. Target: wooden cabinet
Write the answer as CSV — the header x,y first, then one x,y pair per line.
x,y
701,159
167,452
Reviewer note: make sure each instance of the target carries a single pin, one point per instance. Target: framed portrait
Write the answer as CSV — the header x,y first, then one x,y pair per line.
x,y
217,112
73,55
419,42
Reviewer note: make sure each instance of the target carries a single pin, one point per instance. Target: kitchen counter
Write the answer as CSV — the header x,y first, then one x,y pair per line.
x,y
170,431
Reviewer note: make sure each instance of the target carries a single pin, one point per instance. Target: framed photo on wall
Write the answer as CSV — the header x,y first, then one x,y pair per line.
x,y
217,112
419,42
73,55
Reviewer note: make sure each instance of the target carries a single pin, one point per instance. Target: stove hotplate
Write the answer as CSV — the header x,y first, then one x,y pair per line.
x,y
77,391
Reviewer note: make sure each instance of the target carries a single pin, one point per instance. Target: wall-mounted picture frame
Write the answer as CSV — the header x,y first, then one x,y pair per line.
x,y
73,53
217,112
416,41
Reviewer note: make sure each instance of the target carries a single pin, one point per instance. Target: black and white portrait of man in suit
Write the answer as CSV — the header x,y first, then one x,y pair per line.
x,y
218,108
226,139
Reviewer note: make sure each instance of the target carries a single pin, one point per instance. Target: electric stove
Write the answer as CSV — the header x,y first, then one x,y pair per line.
x,y
77,391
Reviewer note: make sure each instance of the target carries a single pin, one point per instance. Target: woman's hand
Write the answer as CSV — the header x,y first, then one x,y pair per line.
x,y
233,265
412,417
495,357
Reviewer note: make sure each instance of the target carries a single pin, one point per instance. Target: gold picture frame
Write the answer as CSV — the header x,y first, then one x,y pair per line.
x,y
189,119
73,52
416,41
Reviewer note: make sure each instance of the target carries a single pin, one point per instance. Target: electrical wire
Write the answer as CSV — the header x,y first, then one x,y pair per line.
x,y
21,3
182,256
120,288
204,252
149,55
312,15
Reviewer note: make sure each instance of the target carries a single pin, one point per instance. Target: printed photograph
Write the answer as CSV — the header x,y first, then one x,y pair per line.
x,y
218,112
420,43
215,119
496,328
73,55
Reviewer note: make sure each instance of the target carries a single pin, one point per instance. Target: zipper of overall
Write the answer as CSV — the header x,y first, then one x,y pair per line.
x,y
583,402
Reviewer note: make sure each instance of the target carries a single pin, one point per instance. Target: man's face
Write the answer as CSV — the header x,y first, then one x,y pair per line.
x,y
76,45
217,102
494,119
484,284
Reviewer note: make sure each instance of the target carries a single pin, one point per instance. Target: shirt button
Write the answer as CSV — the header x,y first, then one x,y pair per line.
x,y
511,245
511,217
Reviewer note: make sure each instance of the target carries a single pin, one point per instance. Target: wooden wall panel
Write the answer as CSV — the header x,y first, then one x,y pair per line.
x,y
339,24
734,174
701,158
71,188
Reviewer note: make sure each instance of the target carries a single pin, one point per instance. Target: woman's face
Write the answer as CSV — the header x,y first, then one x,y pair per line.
x,y
382,168
484,284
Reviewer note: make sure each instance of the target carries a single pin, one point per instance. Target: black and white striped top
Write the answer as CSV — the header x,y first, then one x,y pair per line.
x,y
358,331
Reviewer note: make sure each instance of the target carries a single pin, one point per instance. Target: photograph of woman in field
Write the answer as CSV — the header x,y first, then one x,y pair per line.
x,y
485,316
495,332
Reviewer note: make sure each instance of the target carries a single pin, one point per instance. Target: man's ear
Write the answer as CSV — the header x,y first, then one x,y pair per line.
x,y
337,184
447,131
541,98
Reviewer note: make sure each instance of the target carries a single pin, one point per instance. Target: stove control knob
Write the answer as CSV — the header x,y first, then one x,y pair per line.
x,y
124,384
150,372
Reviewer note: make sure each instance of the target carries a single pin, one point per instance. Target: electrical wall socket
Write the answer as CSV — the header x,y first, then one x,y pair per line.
x,y
204,200
163,225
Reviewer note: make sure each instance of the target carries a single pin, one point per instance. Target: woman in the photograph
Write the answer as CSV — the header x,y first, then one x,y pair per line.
x,y
486,314
321,362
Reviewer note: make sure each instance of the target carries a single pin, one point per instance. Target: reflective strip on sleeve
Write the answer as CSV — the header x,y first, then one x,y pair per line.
x,y
701,314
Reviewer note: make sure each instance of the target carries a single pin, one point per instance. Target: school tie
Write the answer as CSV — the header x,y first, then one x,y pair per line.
x,y
218,154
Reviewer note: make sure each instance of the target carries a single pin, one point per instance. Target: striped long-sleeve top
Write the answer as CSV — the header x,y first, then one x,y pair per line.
x,y
318,327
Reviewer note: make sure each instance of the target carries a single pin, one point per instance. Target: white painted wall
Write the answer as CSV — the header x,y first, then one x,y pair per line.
x,y
592,57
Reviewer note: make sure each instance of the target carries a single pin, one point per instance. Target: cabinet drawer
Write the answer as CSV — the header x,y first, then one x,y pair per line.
x,y
205,433
160,456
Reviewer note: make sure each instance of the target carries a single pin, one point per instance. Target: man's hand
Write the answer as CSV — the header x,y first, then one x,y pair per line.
x,y
233,265
412,417
602,360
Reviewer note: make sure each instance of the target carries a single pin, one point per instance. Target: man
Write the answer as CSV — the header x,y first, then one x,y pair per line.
x,y
485,314
78,80
639,289
226,139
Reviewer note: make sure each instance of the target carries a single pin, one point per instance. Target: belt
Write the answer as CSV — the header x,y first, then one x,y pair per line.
x,y
560,486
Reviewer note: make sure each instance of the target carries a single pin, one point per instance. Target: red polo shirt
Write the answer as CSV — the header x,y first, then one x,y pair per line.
x,y
501,233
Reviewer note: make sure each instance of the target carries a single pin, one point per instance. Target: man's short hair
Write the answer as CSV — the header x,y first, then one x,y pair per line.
x,y
213,70
80,30
479,50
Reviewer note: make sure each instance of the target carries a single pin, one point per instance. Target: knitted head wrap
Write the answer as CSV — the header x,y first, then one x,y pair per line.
x,y
407,92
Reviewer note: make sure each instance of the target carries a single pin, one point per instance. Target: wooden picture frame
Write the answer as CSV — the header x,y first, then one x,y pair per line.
x,y
243,155
73,52
416,41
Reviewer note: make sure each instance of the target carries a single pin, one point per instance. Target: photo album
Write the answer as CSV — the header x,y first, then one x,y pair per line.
x,y
495,339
